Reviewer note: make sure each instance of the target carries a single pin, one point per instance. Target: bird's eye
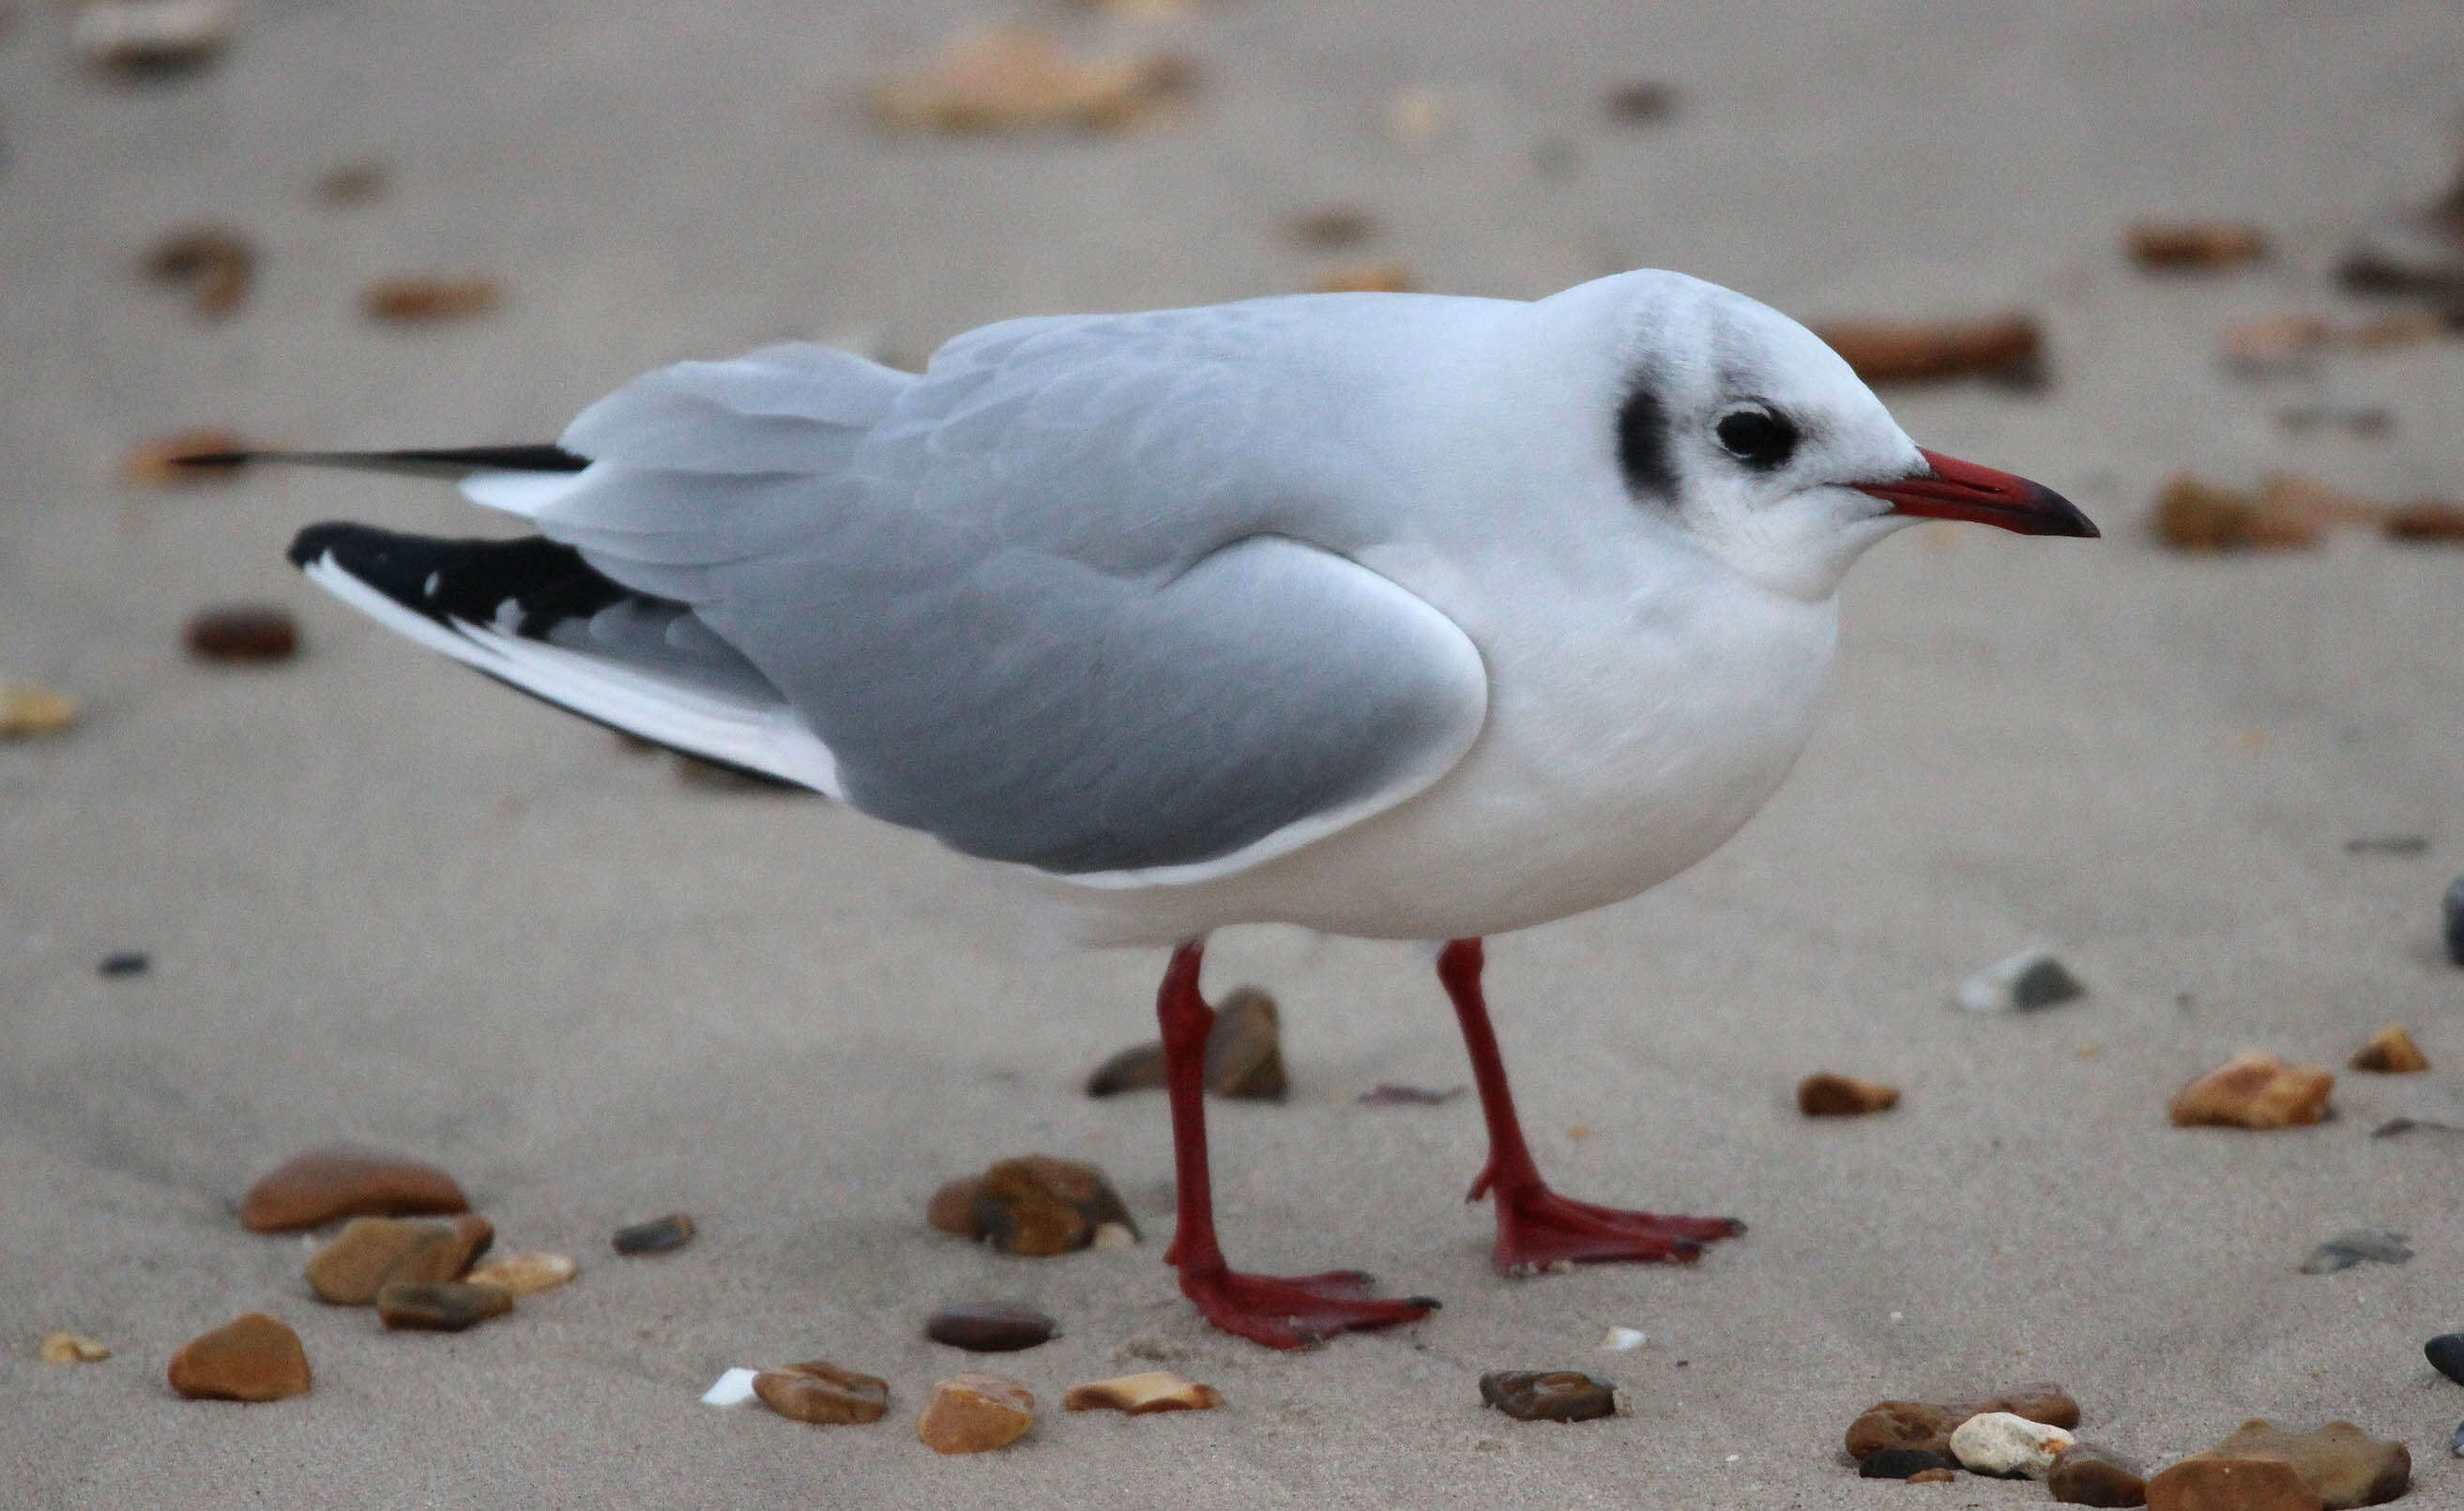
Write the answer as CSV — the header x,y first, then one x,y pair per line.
x,y
1758,438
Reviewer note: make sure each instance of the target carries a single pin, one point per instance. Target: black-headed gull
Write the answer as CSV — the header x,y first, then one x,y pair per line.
x,y
1391,615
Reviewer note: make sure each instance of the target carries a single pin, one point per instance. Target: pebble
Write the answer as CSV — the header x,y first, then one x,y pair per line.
x,y
358,182
1640,102
1394,1094
1934,1476
658,1236
152,37
2450,912
2005,348
2390,1051
953,1208
2456,1441
1824,1094
1140,1395
821,1392
26,710
2446,1355
427,299
2254,1090
1333,227
214,263
975,1413
2425,522
1043,1206
1622,1340
242,632
1018,78
1555,1395
2008,1446
2264,1467
72,1348
251,1358
371,1252
1364,277
124,963
2201,245
346,1179
446,1306
1244,1056
2195,515
989,1327
732,1387
525,1274
2085,1475
2351,1247
1921,1424
1902,1463
163,463
2029,980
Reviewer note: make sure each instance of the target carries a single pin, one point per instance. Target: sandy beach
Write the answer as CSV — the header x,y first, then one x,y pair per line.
x,y
387,901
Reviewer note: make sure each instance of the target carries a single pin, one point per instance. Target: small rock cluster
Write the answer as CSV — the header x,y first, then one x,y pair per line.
x,y
2027,1434
1035,1205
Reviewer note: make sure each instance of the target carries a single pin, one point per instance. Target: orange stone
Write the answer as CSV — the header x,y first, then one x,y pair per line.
x,y
821,1392
370,1252
1138,1394
975,1413
2203,1483
2390,1051
1824,1094
2254,1090
346,1179
251,1358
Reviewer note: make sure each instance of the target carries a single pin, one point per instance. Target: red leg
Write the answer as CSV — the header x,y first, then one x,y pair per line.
x,y
1535,1226
1280,1313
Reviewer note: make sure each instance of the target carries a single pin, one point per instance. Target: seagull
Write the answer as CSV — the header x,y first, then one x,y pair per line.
x,y
1396,616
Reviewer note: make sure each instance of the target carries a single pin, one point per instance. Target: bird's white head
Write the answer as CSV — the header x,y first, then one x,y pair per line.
x,y
1750,435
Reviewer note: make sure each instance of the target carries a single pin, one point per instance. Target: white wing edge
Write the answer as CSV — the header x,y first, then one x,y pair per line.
x,y
521,492
757,737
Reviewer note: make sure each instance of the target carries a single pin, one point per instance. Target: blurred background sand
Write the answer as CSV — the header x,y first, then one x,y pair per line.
x,y
386,900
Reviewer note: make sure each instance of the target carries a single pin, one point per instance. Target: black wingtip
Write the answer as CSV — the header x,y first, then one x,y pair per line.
x,y
452,464
313,543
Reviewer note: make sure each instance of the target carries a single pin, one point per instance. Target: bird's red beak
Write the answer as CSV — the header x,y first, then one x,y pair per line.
x,y
1962,490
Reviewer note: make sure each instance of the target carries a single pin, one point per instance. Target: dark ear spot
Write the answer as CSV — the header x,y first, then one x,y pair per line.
x,y
1643,447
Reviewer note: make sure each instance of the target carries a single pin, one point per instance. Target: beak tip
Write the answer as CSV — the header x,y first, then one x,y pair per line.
x,y
2058,516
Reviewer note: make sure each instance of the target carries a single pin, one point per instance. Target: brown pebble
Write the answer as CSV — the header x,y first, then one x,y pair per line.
x,y
159,464
2085,1475
1926,1426
2194,514
1364,277
1334,227
525,1274
2390,1051
440,1306
1824,1094
354,183
1245,1057
72,1348
1043,1206
2206,245
242,632
1139,1068
1016,78
346,1179
418,299
371,1252
821,1392
2338,1466
2427,522
214,263
1932,1477
152,39
2276,343
658,1236
1640,102
2008,348
953,1208
27,711
251,1358
1140,1395
975,1413
989,1327
2254,1090
1553,1395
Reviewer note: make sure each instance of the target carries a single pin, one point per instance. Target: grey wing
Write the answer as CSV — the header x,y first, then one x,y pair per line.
x,y
1048,603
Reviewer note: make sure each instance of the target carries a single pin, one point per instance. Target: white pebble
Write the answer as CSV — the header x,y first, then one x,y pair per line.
x,y
2001,1443
1621,1340
735,1387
